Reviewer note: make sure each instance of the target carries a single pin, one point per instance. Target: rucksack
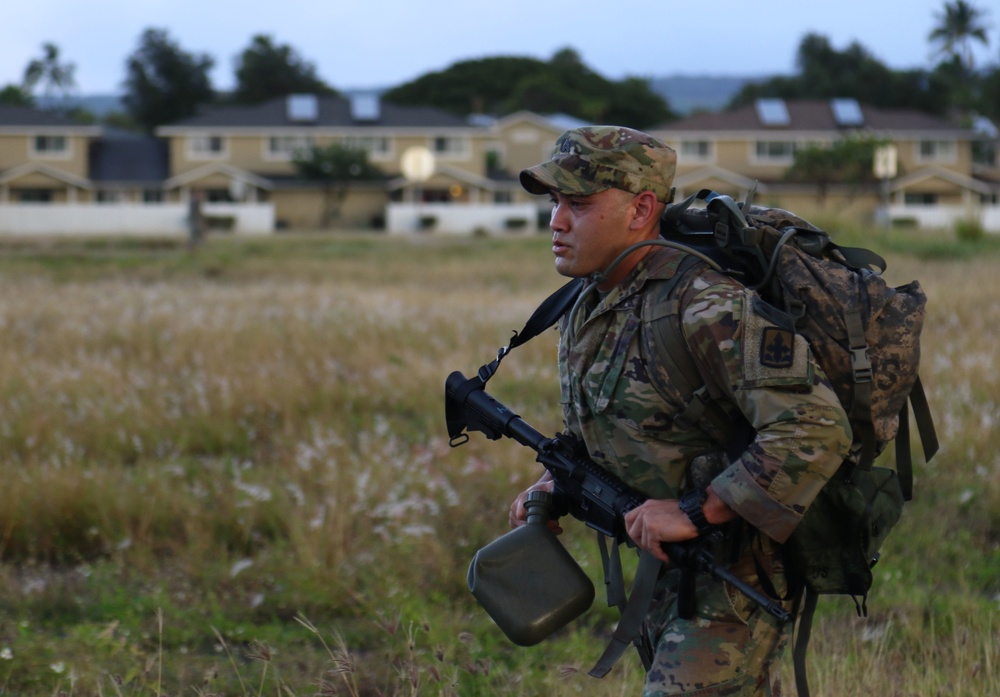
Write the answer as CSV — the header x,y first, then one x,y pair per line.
x,y
865,336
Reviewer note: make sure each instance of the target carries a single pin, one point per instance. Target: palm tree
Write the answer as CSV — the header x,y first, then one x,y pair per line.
x,y
958,26
48,69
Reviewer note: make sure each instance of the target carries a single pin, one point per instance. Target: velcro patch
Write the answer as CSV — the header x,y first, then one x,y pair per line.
x,y
773,356
777,348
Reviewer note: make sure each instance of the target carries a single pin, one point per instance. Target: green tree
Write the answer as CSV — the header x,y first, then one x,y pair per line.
x,y
564,84
336,167
265,70
16,96
827,73
164,83
467,87
55,75
849,160
958,26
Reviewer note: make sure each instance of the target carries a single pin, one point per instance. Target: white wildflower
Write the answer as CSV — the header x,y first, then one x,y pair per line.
x,y
241,565
6,654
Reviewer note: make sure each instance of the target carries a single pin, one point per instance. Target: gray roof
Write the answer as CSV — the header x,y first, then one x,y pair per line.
x,y
129,159
332,111
812,115
11,115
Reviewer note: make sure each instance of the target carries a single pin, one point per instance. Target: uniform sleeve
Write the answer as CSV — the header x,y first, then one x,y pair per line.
x,y
749,356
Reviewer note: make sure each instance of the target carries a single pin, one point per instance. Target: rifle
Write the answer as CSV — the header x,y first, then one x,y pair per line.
x,y
583,488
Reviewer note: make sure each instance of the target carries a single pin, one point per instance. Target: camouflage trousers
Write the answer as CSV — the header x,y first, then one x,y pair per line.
x,y
730,646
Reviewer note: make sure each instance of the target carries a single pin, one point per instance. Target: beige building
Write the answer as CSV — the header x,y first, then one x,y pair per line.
x,y
735,151
246,153
238,160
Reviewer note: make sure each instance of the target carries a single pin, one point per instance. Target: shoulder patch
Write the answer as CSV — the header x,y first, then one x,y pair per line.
x,y
773,356
777,348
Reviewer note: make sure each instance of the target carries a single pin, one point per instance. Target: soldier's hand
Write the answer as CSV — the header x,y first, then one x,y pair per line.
x,y
519,513
657,521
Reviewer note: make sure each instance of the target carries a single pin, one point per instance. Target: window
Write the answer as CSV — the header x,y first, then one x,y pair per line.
x,y
377,147
50,146
696,150
111,196
503,197
218,196
152,196
916,199
206,147
936,151
35,196
451,147
287,147
775,151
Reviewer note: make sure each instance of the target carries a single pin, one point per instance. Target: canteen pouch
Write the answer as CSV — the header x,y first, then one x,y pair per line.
x,y
835,546
528,582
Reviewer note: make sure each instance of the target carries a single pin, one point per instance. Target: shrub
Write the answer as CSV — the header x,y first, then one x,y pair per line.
x,y
969,230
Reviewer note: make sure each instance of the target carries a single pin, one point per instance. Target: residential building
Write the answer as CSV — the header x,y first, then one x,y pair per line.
x,y
57,175
247,153
752,148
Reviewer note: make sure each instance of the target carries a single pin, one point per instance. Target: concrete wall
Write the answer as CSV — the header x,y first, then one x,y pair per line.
x,y
127,219
941,216
457,218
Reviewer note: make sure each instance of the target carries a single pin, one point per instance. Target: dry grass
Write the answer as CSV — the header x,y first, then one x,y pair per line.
x,y
197,450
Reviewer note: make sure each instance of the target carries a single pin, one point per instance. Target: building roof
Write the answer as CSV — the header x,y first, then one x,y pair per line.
x,y
319,111
129,159
812,115
25,116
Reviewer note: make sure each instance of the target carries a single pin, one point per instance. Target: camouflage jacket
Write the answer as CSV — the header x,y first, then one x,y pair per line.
x,y
629,426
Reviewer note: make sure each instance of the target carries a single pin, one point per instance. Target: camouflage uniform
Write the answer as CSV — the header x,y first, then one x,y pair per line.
x,y
630,427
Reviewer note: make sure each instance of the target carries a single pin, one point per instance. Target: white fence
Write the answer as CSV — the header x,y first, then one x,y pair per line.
x,y
946,216
130,219
461,218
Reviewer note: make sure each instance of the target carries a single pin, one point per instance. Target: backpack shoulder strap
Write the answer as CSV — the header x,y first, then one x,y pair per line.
x,y
663,341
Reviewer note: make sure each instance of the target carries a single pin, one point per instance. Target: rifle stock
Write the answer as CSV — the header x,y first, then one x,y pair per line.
x,y
583,488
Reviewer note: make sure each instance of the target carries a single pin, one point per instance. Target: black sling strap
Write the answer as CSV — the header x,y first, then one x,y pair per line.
x,y
544,317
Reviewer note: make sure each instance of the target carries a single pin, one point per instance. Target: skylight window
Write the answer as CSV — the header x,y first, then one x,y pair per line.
x,y
773,112
302,107
847,112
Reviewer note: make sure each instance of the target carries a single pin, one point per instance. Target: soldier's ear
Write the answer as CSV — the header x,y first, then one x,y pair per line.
x,y
647,210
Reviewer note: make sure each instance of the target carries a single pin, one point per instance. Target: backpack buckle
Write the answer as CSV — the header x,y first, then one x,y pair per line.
x,y
861,365
721,234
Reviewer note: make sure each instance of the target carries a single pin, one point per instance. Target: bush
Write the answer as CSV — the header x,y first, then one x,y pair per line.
x,y
969,230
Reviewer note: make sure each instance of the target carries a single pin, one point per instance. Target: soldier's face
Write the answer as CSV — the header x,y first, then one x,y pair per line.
x,y
589,232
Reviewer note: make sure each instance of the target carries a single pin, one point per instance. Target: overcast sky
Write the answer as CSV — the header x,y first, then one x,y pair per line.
x,y
382,43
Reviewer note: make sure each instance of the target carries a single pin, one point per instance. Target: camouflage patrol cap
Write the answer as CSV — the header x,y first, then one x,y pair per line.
x,y
591,159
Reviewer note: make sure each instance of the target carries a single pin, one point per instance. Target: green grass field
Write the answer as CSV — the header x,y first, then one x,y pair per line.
x,y
227,472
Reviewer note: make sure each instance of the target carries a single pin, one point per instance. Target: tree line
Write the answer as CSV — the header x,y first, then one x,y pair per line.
x,y
165,83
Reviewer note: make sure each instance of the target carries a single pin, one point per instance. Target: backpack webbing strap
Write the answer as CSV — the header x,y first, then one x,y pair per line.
x,y
802,632
861,405
861,258
633,616
928,437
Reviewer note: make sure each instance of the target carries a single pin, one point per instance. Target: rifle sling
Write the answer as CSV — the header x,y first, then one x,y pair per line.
x,y
633,615
544,316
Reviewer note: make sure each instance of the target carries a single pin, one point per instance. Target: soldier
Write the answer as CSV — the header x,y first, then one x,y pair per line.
x,y
609,186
